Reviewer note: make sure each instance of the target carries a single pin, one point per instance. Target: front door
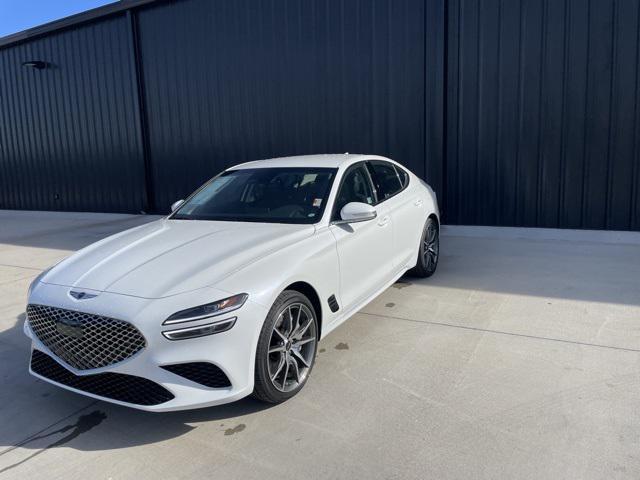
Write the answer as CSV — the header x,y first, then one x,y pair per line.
x,y
364,248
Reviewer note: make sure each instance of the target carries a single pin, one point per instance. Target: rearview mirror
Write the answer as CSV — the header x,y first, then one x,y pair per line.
x,y
176,205
355,212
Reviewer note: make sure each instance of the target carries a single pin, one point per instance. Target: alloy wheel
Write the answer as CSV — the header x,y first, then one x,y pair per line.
x,y
292,347
431,246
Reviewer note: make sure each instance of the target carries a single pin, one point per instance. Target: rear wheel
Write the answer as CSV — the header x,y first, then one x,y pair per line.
x,y
286,348
429,250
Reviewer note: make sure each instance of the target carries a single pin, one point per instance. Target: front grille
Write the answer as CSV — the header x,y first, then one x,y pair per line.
x,y
116,386
84,340
204,373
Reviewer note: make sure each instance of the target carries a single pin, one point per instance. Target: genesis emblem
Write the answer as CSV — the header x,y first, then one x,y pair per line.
x,y
81,295
70,328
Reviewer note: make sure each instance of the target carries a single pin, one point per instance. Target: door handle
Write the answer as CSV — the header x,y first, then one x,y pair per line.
x,y
418,202
383,221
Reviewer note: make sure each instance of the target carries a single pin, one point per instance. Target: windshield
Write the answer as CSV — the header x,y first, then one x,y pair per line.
x,y
277,195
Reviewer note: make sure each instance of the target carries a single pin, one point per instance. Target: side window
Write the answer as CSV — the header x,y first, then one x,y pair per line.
x,y
385,178
355,187
404,176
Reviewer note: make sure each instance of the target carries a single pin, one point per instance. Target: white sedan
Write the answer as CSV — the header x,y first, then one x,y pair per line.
x,y
230,294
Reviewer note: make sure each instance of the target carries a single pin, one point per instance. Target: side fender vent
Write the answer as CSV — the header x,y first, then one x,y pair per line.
x,y
333,304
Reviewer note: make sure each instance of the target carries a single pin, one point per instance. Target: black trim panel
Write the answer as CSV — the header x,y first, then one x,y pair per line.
x,y
333,303
204,373
114,386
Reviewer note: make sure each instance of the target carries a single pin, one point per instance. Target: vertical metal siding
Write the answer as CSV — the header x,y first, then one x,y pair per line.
x,y
518,112
68,132
228,82
434,92
543,113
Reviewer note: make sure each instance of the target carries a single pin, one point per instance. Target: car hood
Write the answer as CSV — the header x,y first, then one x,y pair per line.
x,y
168,257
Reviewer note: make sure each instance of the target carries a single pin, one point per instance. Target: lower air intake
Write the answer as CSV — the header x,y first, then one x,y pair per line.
x,y
115,386
204,373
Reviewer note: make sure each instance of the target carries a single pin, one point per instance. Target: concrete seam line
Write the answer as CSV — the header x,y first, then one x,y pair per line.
x,y
20,266
500,332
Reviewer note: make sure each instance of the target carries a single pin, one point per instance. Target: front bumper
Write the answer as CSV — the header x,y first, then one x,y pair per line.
x,y
232,351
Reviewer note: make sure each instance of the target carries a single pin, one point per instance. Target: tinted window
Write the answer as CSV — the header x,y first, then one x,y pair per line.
x,y
278,195
385,178
404,176
355,187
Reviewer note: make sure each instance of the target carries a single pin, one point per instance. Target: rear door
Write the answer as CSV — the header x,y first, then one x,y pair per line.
x,y
395,194
365,249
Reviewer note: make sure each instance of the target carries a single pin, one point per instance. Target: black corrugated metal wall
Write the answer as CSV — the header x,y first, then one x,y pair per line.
x,y
543,119
69,132
518,112
229,82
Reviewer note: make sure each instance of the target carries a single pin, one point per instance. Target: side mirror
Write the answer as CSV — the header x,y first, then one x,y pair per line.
x,y
355,212
176,205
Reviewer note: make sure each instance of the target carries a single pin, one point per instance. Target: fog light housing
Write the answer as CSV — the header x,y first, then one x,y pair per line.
x,y
200,330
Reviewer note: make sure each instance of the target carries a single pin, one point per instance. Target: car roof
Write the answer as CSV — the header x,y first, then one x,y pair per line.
x,y
335,160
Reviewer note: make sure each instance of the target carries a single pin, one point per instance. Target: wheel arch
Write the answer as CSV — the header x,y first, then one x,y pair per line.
x,y
307,290
435,218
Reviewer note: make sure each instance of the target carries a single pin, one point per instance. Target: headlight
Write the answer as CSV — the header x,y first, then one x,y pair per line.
x,y
200,330
220,307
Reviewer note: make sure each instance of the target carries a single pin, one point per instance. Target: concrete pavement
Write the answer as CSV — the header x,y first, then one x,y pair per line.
x,y
519,359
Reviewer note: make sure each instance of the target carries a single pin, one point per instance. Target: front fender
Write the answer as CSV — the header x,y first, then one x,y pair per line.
x,y
313,260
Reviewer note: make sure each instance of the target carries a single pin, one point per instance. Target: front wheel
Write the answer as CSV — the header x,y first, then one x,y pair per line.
x,y
428,251
286,348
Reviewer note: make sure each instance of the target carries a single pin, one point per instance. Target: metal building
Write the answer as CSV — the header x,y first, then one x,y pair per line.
x,y
518,112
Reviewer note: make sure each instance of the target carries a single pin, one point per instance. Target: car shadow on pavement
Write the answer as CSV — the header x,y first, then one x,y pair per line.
x,y
43,416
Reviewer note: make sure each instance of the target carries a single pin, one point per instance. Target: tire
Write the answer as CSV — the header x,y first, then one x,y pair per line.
x,y
428,251
286,349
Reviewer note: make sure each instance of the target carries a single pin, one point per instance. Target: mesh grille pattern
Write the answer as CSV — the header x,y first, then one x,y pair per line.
x,y
84,340
204,373
116,386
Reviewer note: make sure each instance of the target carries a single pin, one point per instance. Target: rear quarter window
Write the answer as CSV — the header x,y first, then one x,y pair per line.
x,y
404,176
386,179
